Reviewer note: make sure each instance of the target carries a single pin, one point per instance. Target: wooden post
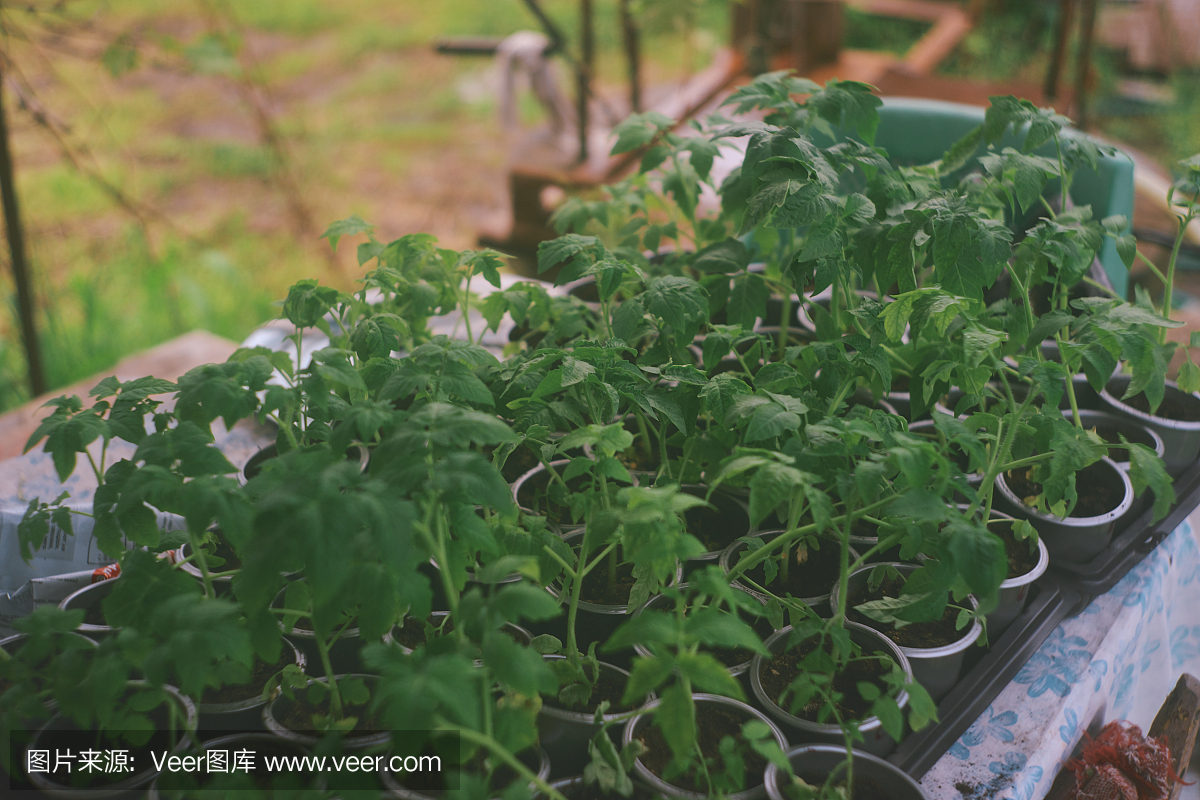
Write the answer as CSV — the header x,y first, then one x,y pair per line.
x,y
16,245
1083,68
633,56
1062,36
583,75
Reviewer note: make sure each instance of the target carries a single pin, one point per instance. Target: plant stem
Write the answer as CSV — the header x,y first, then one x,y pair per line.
x,y
202,563
1169,283
483,740
751,560
335,697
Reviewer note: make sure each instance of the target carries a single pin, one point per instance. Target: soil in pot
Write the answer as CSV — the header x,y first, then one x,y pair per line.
x,y
543,496
252,687
1095,498
413,633
519,462
1173,406
599,590
297,714
610,687
1022,556
864,788
713,723
919,635
719,526
777,675
812,577
224,551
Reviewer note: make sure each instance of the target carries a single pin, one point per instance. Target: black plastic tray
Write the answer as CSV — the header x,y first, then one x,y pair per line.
x,y
993,669
1131,545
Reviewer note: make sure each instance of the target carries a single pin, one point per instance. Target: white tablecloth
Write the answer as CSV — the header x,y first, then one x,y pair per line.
x,y
1117,659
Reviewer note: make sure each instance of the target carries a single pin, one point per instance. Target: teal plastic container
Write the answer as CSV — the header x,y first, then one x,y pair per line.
x,y
915,131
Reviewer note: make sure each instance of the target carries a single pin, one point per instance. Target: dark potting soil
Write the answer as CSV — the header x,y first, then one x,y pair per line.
x,y
411,632
717,527
252,688
936,633
778,673
733,657
597,588
94,614
542,496
812,577
297,715
1095,499
864,789
225,552
519,462
1022,556
713,723
1172,407
610,687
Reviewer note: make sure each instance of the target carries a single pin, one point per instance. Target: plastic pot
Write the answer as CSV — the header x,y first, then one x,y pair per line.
x,y
818,600
565,733
1014,591
274,712
928,428
1181,437
89,599
800,730
528,493
519,634
536,759
356,452
344,654
596,622
1076,539
244,714
172,788
716,527
133,785
658,784
663,603
819,760
935,668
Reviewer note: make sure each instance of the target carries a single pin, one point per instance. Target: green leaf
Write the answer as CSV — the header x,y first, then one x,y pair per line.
x,y
345,227
1189,377
646,676
638,130
519,667
961,152
726,257
709,675
307,303
715,628
645,628
676,718
680,302
1146,470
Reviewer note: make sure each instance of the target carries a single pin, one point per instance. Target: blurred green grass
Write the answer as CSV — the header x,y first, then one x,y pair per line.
x,y
372,120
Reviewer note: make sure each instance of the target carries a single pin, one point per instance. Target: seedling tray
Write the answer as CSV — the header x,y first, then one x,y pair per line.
x,y
1130,546
992,670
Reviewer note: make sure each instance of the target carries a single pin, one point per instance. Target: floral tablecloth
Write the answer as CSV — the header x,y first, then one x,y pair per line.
x,y
1117,659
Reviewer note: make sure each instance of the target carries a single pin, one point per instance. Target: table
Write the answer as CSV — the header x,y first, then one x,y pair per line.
x,y
1117,659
